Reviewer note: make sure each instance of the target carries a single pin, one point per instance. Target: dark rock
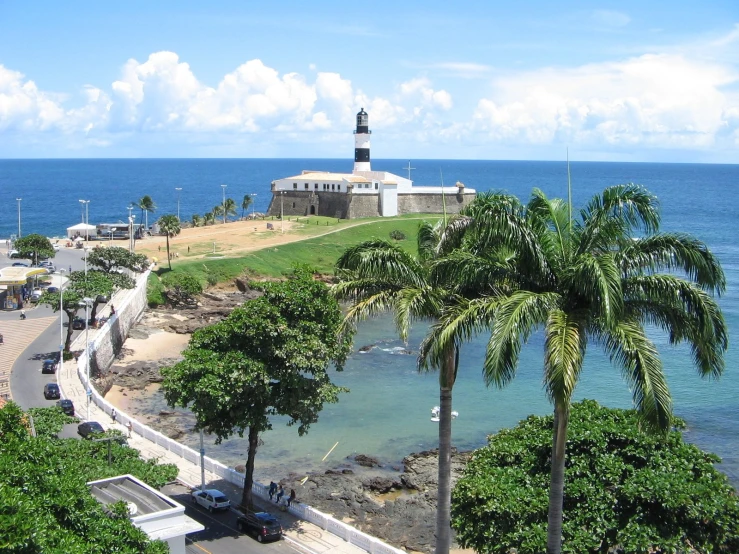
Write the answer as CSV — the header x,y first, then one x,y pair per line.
x,y
242,285
367,348
380,485
366,461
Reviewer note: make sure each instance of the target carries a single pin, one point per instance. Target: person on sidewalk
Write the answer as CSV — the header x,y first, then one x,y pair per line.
x,y
291,498
113,414
280,494
272,489
129,426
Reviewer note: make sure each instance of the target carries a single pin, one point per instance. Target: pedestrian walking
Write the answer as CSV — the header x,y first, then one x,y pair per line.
x,y
70,268
23,314
188,249
272,489
112,310
113,414
129,426
291,498
280,494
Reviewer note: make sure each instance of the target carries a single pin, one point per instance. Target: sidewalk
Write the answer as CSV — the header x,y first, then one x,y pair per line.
x,y
303,535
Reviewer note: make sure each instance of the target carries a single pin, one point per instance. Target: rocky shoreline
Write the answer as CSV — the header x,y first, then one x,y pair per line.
x,y
395,504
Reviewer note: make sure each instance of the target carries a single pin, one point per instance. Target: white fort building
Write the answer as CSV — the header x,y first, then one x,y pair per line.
x,y
363,192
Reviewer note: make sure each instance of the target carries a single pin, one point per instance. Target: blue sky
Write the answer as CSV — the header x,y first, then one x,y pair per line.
x,y
631,81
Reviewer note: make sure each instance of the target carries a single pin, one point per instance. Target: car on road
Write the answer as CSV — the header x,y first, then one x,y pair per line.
x,y
53,289
212,499
19,264
51,391
13,254
67,407
262,525
78,323
56,247
48,266
102,299
36,295
49,366
89,428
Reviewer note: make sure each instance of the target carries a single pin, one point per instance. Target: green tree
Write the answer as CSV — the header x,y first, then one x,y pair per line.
x,y
147,206
71,304
245,203
113,259
627,489
268,357
599,278
209,218
170,226
218,212
34,247
181,288
46,505
197,221
229,208
95,284
379,276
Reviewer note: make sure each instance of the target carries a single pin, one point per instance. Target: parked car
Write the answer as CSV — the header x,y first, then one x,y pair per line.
x,y
53,289
36,295
261,525
212,499
102,299
89,428
13,254
48,266
51,391
67,407
49,366
78,323
19,264
56,247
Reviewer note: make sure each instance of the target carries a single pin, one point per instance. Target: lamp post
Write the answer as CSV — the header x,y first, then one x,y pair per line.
x,y
87,302
19,216
61,320
224,202
130,228
85,216
282,213
253,194
178,189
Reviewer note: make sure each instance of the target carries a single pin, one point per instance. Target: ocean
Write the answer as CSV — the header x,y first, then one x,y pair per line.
x,y
387,413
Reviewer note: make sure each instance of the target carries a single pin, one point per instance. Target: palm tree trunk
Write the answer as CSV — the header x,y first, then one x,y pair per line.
x,y
556,486
169,259
443,500
249,475
68,341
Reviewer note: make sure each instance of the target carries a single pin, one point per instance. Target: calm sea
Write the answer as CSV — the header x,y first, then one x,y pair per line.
x,y
387,412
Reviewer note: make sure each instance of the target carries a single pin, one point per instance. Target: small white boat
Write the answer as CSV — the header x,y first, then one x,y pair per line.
x,y
436,411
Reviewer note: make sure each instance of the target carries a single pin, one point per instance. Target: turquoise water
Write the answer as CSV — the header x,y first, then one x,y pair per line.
x,y
387,412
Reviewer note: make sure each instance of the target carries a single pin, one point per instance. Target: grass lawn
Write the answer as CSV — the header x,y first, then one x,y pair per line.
x,y
319,252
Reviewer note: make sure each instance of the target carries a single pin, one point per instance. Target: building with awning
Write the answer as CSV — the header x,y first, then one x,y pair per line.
x,y
81,230
13,279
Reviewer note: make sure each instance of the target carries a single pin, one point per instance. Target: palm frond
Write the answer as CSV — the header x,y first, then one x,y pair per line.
x,y
564,351
379,259
598,280
632,203
412,304
553,215
629,348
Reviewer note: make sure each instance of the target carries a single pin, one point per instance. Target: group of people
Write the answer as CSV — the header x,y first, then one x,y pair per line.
x,y
279,493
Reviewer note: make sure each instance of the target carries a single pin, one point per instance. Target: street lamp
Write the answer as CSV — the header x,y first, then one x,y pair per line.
x,y
19,216
253,194
88,303
178,189
130,227
86,219
61,320
282,213
224,202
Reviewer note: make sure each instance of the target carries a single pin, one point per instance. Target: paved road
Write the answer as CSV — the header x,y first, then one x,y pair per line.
x,y
220,535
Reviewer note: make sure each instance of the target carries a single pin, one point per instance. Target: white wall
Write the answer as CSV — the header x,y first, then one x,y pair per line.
x,y
389,200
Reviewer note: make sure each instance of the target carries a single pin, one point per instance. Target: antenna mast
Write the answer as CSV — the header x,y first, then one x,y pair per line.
x,y
409,169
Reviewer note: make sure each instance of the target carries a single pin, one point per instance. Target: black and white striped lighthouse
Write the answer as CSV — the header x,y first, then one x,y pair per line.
x,y
362,143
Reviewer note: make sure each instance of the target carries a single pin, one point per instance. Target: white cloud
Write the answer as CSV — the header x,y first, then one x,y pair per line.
x,y
421,88
653,100
23,107
610,18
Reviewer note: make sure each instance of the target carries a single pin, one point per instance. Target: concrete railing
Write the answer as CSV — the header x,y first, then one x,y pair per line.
x,y
129,308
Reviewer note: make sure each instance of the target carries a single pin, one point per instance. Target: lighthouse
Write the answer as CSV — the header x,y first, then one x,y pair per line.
x,y
362,143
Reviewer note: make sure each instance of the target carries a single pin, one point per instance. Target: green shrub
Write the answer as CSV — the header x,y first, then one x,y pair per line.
x,y
397,234
154,291
181,288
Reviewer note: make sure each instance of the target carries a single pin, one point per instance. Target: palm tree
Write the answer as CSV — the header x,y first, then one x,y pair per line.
x,y
229,208
170,226
378,276
209,218
147,205
197,221
218,212
245,203
600,278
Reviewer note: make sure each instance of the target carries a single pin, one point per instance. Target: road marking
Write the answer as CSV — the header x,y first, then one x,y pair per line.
x,y
198,546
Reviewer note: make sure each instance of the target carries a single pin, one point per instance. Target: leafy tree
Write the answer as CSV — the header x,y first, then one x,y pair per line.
x,y
170,226
209,218
71,304
197,221
34,247
268,357
147,206
245,203
599,278
115,258
97,283
46,505
181,288
229,208
378,276
627,489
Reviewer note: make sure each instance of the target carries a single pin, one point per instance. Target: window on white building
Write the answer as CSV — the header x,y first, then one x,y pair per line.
x,y
295,186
